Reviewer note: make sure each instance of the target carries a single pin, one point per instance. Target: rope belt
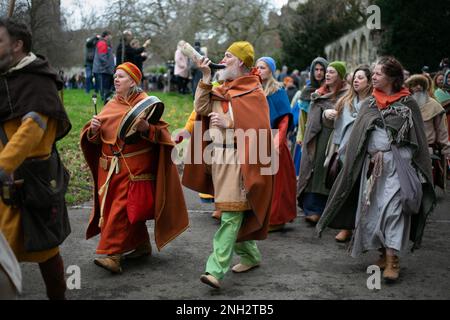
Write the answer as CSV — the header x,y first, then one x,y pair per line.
x,y
115,169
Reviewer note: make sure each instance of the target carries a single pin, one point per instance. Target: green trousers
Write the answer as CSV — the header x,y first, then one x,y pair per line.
x,y
225,242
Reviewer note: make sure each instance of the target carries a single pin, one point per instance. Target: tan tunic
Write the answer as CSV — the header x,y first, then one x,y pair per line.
x,y
27,139
229,191
435,121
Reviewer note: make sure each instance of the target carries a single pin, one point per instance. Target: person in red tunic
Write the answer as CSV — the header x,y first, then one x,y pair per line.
x,y
130,176
284,205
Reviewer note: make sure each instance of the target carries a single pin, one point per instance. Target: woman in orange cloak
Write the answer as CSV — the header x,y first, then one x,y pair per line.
x,y
131,176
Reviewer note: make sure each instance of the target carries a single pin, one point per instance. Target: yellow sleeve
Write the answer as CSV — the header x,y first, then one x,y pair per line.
x,y
302,126
191,121
20,145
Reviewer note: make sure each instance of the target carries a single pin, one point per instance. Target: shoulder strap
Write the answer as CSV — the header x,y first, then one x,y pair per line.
x,y
3,136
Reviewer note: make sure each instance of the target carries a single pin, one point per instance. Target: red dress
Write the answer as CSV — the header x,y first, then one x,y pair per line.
x,y
118,234
284,206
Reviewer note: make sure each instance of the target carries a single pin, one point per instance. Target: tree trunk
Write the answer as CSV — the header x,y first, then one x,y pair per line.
x,y
12,4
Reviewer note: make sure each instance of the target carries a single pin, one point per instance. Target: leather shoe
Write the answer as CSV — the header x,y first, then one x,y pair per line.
x,y
240,268
110,263
210,281
313,219
144,250
343,236
392,271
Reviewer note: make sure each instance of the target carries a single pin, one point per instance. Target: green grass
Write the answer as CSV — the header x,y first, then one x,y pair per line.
x,y
80,110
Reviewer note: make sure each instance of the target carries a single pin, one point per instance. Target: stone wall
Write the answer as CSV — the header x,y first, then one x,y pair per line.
x,y
360,46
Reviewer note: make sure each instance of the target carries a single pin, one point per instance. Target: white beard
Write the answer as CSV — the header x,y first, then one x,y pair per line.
x,y
421,98
229,73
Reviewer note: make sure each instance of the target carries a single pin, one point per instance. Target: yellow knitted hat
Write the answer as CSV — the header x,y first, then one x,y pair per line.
x,y
244,51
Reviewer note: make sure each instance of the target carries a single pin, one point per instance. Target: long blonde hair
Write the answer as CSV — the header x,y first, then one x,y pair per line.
x,y
271,86
349,97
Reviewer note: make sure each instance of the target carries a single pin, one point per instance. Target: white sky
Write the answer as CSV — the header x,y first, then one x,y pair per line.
x,y
99,6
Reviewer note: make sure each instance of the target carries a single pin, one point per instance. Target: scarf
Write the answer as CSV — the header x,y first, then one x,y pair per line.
x,y
323,90
383,100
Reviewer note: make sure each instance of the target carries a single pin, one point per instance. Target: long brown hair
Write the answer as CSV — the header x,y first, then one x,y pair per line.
x,y
349,97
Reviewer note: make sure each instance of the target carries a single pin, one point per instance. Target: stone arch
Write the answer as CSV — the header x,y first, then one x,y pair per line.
x,y
364,50
347,57
355,59
340,55
334,53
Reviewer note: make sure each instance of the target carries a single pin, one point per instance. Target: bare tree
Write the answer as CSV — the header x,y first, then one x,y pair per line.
x,y
3,8
232,20
45,21
216,23
120,16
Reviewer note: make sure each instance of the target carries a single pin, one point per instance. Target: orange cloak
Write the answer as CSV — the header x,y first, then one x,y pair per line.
x,y
251,112
171,217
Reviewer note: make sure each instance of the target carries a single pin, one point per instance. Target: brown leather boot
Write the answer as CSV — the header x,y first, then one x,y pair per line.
x,y
53,272
144,250
392,271
381,262
110,263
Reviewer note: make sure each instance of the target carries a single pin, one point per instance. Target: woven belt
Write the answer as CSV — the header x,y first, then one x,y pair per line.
x,y
143,177
131,154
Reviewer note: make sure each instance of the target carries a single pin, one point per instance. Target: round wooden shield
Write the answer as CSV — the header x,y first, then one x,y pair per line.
x,y
151,109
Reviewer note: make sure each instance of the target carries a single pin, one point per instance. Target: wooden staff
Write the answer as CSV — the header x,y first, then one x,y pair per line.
x,y
94,101
12,4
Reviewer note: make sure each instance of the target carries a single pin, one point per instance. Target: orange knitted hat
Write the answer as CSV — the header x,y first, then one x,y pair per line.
x,y
132,71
